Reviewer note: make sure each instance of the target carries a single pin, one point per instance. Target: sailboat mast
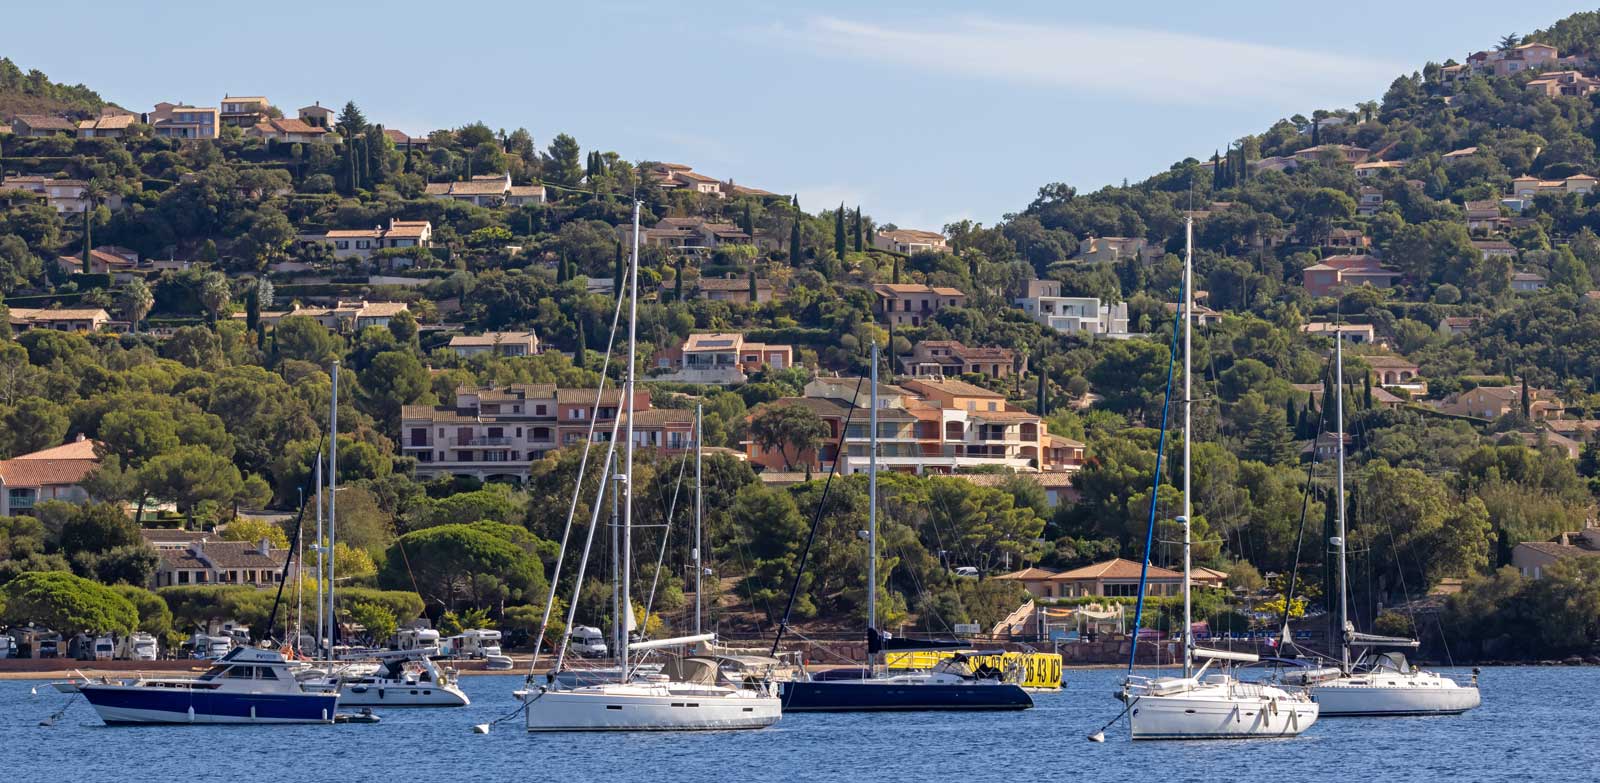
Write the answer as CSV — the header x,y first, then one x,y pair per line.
x,y
333,504
321,561
872,511
1339,531
1188,404
699,511
627,459
619,619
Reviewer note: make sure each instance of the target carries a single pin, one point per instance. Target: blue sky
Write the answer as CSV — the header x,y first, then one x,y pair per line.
x,y
921,112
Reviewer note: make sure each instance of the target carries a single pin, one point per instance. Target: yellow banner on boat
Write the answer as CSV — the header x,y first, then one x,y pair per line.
x,y
1034,671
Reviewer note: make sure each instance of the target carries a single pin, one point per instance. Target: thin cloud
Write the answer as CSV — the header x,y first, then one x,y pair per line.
x,y
1151,65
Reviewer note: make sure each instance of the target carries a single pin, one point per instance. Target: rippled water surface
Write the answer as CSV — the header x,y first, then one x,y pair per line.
x,y
1536,724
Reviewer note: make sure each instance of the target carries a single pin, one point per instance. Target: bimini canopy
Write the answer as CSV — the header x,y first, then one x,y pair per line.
x,y
877,642
698,671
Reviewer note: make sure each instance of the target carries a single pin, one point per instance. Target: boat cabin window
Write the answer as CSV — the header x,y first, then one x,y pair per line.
x,y
241,673
266,673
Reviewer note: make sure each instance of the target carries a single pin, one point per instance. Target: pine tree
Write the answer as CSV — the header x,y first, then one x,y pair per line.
x,y
858,237
351,121
838,232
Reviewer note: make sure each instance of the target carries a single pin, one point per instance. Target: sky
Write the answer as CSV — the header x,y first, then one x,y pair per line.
x,y
922,113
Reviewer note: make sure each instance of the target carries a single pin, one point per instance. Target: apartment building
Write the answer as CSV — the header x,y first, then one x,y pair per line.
x,y
924,426
495,433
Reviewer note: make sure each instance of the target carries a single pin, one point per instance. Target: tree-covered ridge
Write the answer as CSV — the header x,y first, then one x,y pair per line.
x,y
205,411
32,92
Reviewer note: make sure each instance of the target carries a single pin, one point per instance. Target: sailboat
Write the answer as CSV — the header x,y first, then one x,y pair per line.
x,y
951,685
691,693
1365,684
1198,704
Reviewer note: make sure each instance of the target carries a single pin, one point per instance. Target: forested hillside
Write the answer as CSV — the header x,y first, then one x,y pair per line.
x,y
1465,186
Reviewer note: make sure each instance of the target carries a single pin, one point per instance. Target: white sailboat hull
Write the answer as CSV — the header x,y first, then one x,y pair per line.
x,y
1220,712
401,695
634,707
1391,693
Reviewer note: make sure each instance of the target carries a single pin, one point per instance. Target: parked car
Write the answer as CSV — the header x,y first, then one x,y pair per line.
x,y
966,572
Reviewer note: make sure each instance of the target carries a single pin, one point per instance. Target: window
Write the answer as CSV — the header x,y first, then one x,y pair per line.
x,y
342,244
241,673
538,410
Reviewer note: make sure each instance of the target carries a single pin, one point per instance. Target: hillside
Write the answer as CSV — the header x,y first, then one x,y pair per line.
x,y
1467,195
33,93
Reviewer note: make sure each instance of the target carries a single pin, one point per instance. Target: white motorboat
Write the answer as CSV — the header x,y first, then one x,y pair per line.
x,y
695,695
1364,684
248,685
1198,705
404,678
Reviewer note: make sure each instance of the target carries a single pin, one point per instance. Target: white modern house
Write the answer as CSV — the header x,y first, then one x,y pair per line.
x,y
1073,314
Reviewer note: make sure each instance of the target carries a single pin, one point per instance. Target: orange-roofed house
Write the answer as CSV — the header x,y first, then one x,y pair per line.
x,y
908,240
1344,271
914,304
52,474
723,358
288,130
362,242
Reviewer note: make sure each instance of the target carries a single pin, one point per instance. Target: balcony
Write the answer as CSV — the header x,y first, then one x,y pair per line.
x,y
485,441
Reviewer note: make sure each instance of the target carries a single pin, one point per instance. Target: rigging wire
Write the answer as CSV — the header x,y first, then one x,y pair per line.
x,y
1155,494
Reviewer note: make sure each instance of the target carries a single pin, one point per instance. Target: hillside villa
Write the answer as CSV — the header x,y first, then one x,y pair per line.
x,y
913,303
55,473
945,358
720,358
498,343
1045,304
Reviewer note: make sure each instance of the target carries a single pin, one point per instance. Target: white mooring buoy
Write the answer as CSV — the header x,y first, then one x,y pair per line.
x,y
481,728
1098,736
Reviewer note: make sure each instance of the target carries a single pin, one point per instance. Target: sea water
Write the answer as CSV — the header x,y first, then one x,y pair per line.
x,y
1535,724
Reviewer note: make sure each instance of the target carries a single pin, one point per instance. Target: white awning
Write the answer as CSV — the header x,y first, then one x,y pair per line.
x,y
675,641
1226,655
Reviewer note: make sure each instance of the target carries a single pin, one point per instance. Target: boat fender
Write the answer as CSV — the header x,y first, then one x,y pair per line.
x,y
1273,705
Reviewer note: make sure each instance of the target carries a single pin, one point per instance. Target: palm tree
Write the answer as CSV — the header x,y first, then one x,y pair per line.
x,y
1509,42
214,294
1368,110
136,301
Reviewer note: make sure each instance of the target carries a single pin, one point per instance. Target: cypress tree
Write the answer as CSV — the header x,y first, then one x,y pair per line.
x,y
1216,170
88,231
1044,395
838,232
677,283
252,310
896,271
752,286
1527,402
858,237
561,269
794,242
580,351
1291,414
749,224
1366,381
617,287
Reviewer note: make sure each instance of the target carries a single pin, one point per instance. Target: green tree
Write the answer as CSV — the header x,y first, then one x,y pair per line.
x,y
378,620
838,232
456,565
191,475
253,530
66,603
155,618
561,166
790,429
136,301
351,122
